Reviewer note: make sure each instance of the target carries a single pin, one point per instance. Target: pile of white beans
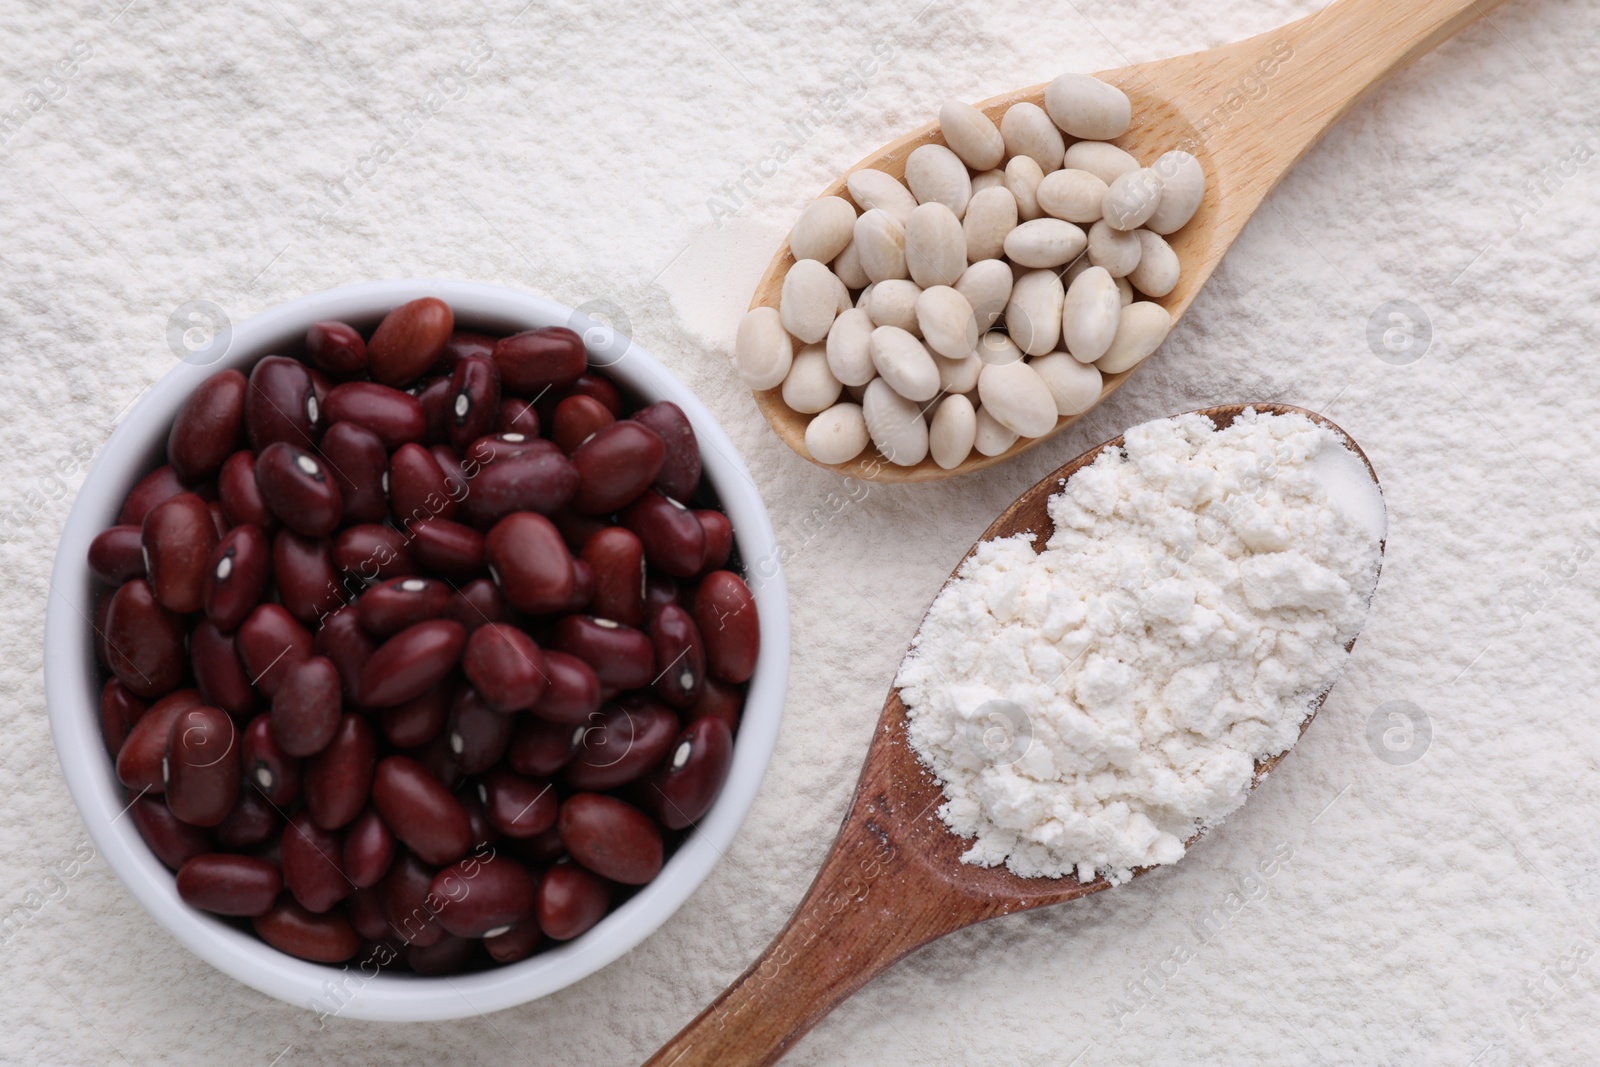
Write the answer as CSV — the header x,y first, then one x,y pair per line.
x,y
983,298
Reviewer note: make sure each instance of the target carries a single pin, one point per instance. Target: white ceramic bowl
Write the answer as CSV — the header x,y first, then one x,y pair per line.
x,y
72,687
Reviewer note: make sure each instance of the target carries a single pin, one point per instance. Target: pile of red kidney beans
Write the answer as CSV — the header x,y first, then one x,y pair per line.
x,y
425,648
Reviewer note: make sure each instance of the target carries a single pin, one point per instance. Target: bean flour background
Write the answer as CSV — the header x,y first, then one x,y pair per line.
x,y
1419,884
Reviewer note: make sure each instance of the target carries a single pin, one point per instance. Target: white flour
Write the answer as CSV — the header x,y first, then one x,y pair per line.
x,y
1091,706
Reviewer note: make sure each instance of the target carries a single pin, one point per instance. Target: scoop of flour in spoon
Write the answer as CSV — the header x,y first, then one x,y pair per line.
x,y
1089,707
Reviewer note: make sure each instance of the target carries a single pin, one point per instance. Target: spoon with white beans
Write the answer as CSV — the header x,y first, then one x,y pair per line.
x,y
971,289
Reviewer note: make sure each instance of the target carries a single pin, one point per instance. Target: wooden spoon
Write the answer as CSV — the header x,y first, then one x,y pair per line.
x,y
894,880
1248,111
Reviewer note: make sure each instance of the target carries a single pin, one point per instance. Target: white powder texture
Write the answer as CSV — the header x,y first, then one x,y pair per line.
x,y
1092,706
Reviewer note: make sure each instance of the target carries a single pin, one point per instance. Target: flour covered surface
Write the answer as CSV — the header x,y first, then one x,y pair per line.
x,y
1089,707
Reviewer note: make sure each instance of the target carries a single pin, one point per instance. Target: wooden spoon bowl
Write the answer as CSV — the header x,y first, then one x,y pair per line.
x,y
1247,111
894,880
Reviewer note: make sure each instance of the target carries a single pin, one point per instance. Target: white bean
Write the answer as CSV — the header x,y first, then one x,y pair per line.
x,y
1132,199
990,438
936,248
810,300
876,189
1125,291
1089,314
1183,185
1018,398
1045,243
1157,272
1033,315
763,351
1140,332
895,424
959,375
991,214
1115,250
936,175
846,266
880,243
810,386
904,363
1088,108
1023,175
954,428
997,347
864,298
837,435
949,328
1028,131
986,180
823,229
1074,386
849,348
894,303
971,135
1105,161
1074,195
987,286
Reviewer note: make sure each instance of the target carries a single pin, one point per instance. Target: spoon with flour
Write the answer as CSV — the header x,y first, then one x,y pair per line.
x,y
898,878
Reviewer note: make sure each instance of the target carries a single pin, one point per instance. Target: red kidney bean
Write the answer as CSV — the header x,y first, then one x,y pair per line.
x,y
208,427
572,693
177,537
477,734
418,720
592,385
483,896
240,495
540,747
435,396
452,550
144,641
160,484
570,901
617,557
483,831
478,603
725,611
519,807
396,417
409,340
684,787
576,419
308,581
576,529
534,360
359,464
306,707
505,666
455,477
621,745
368,851
417,489
251,822
201,769
117,554
339,778
535,478
438,760
516,943
622,657
290,928
474,401
389,607
235,576
344,641
530,563
615,466
420,810
280,404
266,766
719,538
139,758
298,488
412,910
364,909
411,662
680,656
661,590
582,587
517,416
173,841
219,521
464,344
119,711
673,538
610,837
102,611
217,670
271,643
680,470
539,849
229,885
371,553
720,700
336,348
449,955
311,858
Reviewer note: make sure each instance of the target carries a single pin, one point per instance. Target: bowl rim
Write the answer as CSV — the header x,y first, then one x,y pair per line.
x,y
72,689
